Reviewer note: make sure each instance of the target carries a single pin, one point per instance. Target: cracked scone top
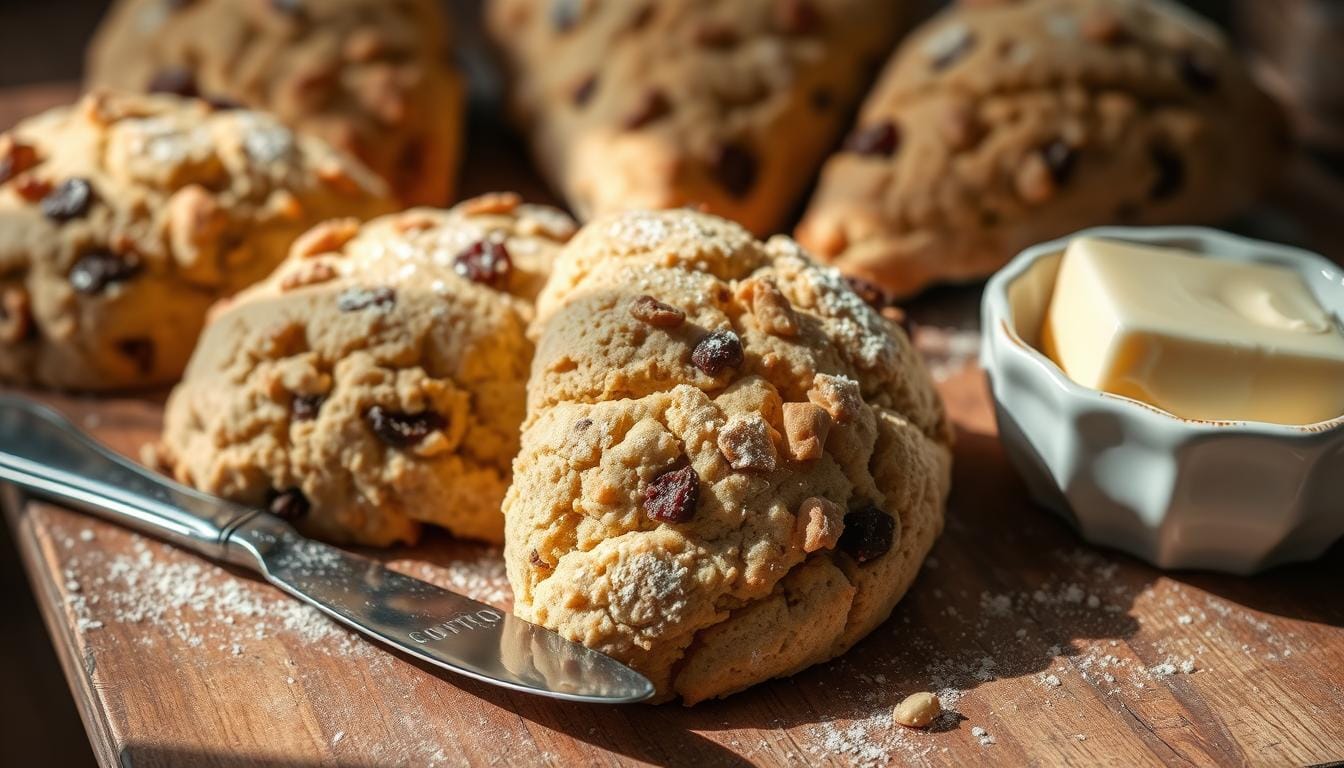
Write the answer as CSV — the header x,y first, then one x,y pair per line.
x,y
732,467
372,77
122,218
1002,125
653,105
376,380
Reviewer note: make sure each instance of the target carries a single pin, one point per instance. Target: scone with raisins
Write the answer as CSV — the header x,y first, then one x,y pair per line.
x,y
999,125
122,218
375,381
373,77
653,105
732,466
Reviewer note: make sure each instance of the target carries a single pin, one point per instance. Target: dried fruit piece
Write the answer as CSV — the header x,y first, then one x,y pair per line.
x,y
869,534
96,270
652,106
656,313
747,442
877,139
583,92
1196,71
806,426
819,524
715,35
402,430
797,17
717,351
735,168
535,559
140,351
486,262
178,81
71,199
672,496
354,299
289,505
306,407
918,710
1170,173
565,14
1059,159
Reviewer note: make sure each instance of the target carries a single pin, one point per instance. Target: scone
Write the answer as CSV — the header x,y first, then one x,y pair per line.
x,y
376,380
372,77
653,105
1003,124
732,466
122,218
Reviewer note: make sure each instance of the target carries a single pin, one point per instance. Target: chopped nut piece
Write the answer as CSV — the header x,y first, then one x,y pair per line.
x,y
770,306
493,202
326,237
838,395
309,272
747,442
917,710
196,224
805,427
820,523
336,177
656,313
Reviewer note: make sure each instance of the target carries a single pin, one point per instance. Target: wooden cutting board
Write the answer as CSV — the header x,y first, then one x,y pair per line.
x,y
1046,650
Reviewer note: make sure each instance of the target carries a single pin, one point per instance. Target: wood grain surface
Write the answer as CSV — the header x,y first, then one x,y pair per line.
x,y
1045,650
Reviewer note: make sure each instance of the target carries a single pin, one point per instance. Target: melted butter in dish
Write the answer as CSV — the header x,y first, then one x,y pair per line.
x,y
1199,337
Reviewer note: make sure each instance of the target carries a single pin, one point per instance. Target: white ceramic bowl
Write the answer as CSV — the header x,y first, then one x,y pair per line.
x,y
1224,496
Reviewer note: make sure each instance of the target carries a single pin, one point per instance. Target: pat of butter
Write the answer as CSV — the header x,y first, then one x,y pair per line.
x,y
1198,337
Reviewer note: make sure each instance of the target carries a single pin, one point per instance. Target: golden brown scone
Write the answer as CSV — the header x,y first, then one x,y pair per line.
x,y
1003,124
123,217
376,380
732,467
654,105
372,77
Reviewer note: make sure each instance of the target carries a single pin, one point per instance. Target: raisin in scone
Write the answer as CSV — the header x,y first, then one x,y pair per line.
x,y
1000,125
122,218
653,105
372,77
732,466
376,380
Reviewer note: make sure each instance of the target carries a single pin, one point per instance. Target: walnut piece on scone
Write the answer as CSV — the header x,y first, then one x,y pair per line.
x,y
999,125
376,380
682,504
655,105
372,77
123,217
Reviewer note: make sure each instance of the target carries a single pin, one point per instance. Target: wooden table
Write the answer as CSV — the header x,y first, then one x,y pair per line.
x,y
1046,650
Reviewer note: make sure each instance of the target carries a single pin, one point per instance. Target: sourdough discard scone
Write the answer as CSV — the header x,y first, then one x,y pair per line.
x,y
1004,124
376,380
372,77
122,218
652,105
732,467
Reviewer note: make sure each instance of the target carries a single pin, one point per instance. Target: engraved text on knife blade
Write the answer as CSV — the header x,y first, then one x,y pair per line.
x,y
463,622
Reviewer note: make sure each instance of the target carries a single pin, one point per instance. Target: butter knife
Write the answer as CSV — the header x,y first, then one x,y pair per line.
x,y
46,456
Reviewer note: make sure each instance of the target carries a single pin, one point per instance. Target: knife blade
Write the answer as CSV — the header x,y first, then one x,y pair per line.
x,y
48,457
